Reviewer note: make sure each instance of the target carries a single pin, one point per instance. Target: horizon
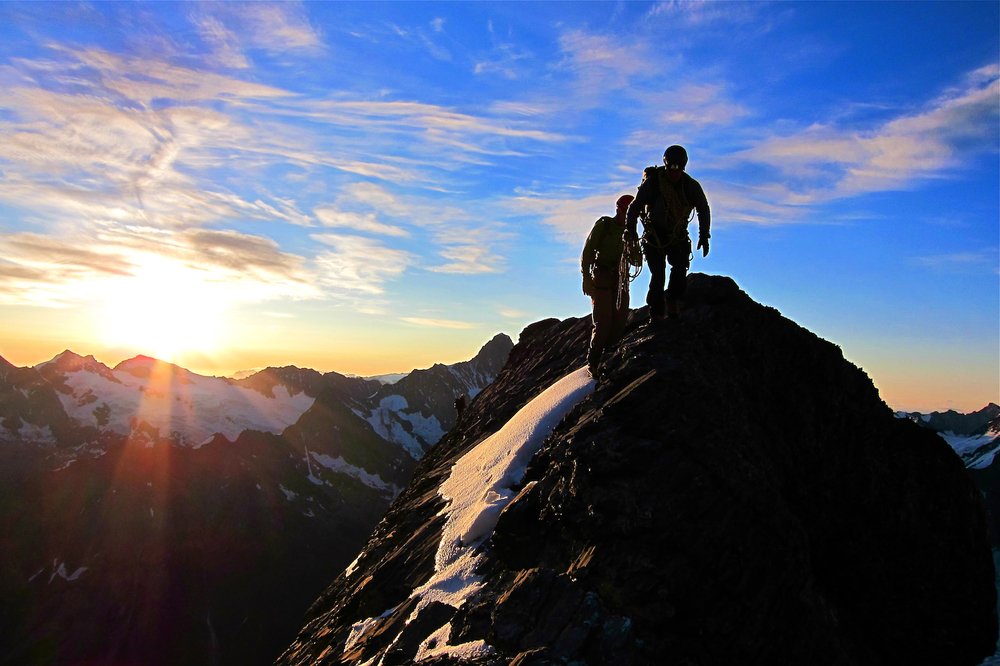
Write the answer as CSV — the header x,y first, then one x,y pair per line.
x,y
252,371
227,186
236,373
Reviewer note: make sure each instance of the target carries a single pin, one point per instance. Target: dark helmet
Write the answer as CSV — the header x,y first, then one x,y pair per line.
x,y
675,155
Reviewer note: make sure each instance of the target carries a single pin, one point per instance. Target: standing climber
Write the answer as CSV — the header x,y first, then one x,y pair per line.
x,y
460,404
665,199
600,262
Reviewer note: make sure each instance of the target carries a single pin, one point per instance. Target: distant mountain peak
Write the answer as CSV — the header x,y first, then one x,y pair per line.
x,y
69,362
143,366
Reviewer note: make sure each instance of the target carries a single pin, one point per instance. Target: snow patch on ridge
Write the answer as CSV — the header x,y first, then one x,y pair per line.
x,y
479,487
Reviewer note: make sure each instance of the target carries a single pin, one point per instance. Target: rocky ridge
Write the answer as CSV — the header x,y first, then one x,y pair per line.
x,y
733,491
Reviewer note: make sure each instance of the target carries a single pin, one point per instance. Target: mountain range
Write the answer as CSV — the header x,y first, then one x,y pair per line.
x,y
731,490
152,515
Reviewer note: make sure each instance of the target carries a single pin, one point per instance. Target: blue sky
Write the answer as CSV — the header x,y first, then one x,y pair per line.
x,y
372,187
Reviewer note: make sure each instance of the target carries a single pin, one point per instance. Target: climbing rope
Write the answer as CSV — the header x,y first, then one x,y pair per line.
x,y
629,268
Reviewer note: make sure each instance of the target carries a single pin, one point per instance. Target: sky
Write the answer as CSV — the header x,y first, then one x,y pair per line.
x,y
375,187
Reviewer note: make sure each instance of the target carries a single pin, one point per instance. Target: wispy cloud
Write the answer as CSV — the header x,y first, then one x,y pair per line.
x,y
961,262
230,30
695,105
424,39
830,162
571,217
699,13
466,243
331,216
601,64
512,313
54,272
227,50
439,323
505,58
358,264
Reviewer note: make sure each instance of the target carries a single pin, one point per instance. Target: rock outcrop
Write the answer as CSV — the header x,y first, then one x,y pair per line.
x,y
733,491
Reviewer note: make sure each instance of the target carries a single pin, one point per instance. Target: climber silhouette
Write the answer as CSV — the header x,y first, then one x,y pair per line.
x,y
601,264
665,199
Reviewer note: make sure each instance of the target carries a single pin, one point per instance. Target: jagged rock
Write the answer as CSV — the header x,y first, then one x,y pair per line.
x,y
733,491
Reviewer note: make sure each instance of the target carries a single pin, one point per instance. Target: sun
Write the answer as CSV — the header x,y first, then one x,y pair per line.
x,y
163,309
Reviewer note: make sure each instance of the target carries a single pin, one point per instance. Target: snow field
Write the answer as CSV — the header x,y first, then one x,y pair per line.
x,y
196,408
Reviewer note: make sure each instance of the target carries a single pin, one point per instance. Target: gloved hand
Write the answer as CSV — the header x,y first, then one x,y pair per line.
x,y
630,236
703,246
588,284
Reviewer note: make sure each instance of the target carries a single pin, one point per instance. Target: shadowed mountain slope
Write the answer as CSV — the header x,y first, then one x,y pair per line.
x,y
732,491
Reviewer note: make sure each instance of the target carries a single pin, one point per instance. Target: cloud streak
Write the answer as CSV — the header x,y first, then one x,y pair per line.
x,y
440,323
46,271
831,162
357,264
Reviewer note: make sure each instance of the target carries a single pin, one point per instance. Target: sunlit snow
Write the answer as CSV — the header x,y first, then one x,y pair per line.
x,y
192,406
966,446
480,485
386,421
340,465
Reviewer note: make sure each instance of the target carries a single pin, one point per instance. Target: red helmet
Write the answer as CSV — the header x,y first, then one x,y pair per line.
x,y
624,200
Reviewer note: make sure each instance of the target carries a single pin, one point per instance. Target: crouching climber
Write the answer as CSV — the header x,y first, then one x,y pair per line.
x,y
601,264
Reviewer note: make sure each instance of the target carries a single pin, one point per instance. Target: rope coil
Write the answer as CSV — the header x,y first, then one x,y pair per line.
x,y
629,268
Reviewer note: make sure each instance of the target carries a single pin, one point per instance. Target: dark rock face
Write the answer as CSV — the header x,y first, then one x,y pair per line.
x,y
734,491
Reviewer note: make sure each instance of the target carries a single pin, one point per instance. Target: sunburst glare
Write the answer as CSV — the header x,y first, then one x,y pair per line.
x,y
163,309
